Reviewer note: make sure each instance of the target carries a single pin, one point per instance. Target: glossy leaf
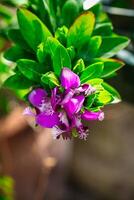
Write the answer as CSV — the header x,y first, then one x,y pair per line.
x,y
104,97
61,34
95,81
50,79
90,49
51,46
112,91
70,11
32,29
92,71
90,100
110,66
61,59
18,81
50,6
16,36
111,45
47,48
79,67
29,69
71,51
16,52
80,32
103,29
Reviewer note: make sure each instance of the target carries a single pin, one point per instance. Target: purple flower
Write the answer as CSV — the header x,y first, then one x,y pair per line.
x,y
45,115
74,105
37,96
64,109
89,115
69,79
48,120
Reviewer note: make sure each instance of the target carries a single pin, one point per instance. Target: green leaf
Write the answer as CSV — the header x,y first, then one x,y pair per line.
x,y
80,32
61,34
32,29
71,52
50,79
111,75
94,45
104,98
18,81
47,48
90,100
48,8
110,66
96,109
41,56
79,67
70,11
15,52
90,49
103,29
92,71
61,59
95,81
51,46
112,91
112,45
16,36
30,69
42,13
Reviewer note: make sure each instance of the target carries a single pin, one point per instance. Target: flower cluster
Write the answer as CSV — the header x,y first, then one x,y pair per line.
x,y
64,109
62,58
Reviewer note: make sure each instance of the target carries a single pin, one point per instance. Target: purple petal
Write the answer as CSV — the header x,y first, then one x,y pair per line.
x,y
83,132
89,115
68,96
64,119
29,112
55,98
86,89
56,132
74,105
76,121
48,121
37,96
69,79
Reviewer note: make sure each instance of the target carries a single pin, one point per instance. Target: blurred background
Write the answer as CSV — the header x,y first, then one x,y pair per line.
x,y
33,166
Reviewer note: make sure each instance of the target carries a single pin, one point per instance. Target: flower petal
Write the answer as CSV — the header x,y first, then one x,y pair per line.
x,y
37,96
88,89
74,105
64,119
69,79
55,98
56,132
89,115
48,121
28,111
68,96
82,130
